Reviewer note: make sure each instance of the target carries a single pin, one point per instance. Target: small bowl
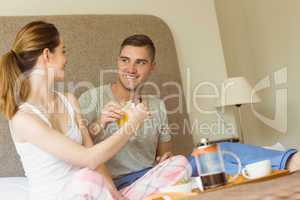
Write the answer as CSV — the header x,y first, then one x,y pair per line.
x,y
186,187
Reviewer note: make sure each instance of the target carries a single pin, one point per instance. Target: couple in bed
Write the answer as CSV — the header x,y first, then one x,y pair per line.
x,y
55,145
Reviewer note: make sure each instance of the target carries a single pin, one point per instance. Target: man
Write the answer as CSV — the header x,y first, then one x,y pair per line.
x,y
152,143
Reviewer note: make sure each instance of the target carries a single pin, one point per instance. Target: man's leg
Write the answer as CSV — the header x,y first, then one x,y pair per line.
x,y
294,162
164,174
128,179
250,154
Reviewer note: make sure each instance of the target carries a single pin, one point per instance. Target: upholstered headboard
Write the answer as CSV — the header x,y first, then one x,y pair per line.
x,y
92,43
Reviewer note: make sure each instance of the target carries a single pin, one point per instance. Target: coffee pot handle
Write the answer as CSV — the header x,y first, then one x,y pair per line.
x,y
238,162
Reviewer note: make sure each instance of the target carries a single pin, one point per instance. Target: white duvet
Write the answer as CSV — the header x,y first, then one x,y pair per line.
x,y
14,188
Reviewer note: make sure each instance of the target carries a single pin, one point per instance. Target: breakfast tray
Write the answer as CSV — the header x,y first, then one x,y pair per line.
x,y
242,180
239,181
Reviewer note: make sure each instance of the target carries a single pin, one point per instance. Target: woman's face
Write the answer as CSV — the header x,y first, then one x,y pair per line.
x,y
57,61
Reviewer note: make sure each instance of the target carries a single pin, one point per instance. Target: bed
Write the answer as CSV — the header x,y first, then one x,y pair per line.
x,y
89,53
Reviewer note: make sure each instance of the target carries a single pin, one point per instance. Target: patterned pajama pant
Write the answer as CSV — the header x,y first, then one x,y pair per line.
x,y
90,185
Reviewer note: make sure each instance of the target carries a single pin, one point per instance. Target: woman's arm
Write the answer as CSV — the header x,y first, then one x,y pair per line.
x,y
88,142
50,140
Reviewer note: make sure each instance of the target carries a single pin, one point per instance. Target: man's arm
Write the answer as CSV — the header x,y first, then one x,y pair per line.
x,y
164,148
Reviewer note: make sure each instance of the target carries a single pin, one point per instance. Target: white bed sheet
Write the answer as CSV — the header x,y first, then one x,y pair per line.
x,y
14,188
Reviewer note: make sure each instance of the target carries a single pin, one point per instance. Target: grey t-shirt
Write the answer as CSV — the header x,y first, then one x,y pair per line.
x,y
140,151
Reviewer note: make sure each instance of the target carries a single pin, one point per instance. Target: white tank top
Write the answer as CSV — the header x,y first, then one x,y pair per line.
x,y
46,173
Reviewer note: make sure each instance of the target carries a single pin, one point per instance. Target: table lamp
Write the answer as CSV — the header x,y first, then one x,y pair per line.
x,y
237,91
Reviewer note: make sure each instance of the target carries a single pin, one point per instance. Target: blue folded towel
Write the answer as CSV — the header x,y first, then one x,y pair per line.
x,y
249,154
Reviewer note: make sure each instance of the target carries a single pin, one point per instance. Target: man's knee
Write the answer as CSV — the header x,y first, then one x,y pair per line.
x,y
181,160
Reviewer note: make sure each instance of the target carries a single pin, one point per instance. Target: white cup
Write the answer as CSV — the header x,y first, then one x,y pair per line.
x,y
257,169
197,183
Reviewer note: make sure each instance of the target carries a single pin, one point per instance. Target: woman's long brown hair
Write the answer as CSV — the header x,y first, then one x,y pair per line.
x,y
29,44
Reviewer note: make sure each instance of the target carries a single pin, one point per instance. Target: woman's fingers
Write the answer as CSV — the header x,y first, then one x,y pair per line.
x,y
142,107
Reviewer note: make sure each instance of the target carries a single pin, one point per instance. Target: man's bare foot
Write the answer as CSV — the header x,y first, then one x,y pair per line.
x,y
294,162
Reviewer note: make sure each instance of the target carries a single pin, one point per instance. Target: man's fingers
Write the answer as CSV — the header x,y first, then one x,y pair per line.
x,y
115,109
112,106
118,112
116,115
157,159
109,114
112,103
110,119
166,156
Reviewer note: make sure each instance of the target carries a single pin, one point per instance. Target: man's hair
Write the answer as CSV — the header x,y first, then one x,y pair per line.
x,y
140,40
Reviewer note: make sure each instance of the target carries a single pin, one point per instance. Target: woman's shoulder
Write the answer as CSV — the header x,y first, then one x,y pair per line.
x,y
24,119
24,111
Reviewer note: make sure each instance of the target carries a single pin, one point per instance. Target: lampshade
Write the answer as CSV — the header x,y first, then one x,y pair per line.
x,y
237,91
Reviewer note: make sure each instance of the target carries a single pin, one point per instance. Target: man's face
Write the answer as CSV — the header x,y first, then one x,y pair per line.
x,y
134,66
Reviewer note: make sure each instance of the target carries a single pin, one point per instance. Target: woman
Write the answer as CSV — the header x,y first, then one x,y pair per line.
x,y
57,154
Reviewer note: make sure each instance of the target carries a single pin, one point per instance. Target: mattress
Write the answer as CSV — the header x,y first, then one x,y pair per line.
x,y
14,188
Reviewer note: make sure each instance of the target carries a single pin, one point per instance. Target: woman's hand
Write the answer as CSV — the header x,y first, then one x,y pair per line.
x,y
137,114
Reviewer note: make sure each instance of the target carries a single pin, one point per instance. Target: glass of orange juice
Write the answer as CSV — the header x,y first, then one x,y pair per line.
x,y
124,119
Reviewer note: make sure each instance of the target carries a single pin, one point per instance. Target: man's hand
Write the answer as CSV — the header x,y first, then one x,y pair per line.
x,y
164,157
110,113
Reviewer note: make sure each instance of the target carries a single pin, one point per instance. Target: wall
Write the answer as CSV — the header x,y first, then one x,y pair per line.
x,y
260,38
193,24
